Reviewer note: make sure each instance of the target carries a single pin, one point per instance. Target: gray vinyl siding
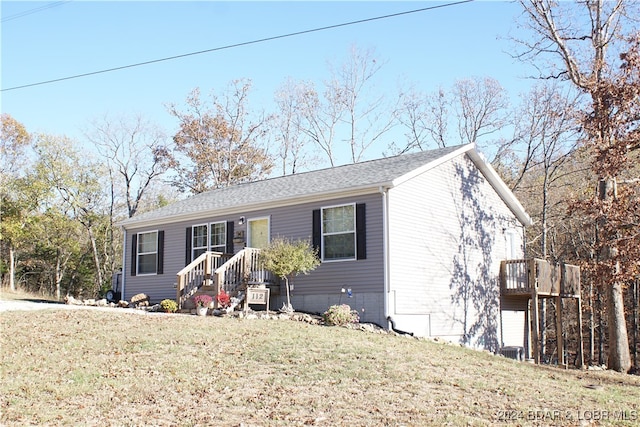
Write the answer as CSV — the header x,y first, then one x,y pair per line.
x,y
446,240
362,276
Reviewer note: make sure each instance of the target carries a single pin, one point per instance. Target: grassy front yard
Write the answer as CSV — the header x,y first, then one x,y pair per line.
x,y
89,367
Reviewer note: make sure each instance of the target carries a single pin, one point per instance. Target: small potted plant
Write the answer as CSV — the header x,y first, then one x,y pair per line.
x,y
202,304
223,300
169,306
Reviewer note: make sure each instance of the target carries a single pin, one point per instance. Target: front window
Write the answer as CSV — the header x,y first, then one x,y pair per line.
x,y
339,233
147,253
199,240
218,237
209,237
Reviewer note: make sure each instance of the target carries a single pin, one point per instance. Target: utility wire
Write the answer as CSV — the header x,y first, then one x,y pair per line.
x,y
266,39
34,10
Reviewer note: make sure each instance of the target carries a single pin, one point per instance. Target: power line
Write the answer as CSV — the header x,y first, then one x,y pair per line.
x,y
34,10
215,49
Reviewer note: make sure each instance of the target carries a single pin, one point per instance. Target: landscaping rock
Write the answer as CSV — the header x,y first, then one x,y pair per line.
x,y
140,300
72,301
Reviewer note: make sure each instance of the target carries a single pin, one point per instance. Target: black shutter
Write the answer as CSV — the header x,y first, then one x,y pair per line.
x,y
230,248
187,253
134,254
160,253
317,232
361,231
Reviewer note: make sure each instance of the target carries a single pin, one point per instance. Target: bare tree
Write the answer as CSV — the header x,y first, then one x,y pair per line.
x,y
321,119
288,123
481,108
348,110
425,118
136,153
580,47
366,116
477,107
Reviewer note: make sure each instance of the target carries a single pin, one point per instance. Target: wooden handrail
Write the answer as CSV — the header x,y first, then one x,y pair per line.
x,y
243,269
197,273
223,272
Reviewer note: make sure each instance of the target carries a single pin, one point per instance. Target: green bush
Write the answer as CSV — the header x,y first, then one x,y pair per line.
x,y
169,306
340,315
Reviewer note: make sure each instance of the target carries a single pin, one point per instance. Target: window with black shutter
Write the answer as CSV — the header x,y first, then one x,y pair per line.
x,y
339,232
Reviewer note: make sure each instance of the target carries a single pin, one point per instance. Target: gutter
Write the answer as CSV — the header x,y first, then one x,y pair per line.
x,y
385,252
124,259
240,209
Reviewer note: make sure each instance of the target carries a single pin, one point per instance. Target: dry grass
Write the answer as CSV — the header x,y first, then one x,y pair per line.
x,y
89,367
20,295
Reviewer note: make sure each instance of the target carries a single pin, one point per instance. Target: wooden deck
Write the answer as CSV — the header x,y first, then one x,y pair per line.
x,y
524,277
534,279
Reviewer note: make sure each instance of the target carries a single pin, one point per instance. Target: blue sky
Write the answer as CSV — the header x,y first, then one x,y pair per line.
x,y
429,49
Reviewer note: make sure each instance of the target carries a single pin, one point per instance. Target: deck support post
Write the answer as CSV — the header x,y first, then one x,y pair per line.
x,y
559,332
580,345
535,332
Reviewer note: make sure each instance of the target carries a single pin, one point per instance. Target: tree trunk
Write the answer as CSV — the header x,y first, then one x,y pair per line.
x,y
635,325
96,258
58,277
286,283
12,269
592,335
600,330
619,356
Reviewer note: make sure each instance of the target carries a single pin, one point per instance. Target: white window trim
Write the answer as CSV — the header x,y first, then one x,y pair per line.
x,y
355,234
193,247
138,253
210,246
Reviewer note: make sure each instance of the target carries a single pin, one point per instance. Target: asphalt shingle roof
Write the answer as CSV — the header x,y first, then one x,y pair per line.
x,y
340,178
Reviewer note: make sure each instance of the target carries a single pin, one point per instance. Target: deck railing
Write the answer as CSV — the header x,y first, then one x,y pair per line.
x,y
198,273
521,277
223,272
536,278
515,275
244,268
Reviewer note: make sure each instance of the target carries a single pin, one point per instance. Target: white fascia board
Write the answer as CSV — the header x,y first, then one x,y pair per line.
x,y
243,209
501,188
437,162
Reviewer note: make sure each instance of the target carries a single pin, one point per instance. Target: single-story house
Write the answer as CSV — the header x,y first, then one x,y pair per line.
x,y
416,238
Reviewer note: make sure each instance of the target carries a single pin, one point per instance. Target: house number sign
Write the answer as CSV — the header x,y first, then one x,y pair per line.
x,y
258,296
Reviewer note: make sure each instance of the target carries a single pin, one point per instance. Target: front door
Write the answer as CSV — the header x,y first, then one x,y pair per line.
x,y
258,233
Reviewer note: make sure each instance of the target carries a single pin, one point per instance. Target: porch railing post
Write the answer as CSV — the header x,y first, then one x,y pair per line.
x,y
179,287
207,269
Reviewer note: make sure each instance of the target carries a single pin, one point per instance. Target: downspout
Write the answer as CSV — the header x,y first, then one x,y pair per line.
x,y
124,259
385,252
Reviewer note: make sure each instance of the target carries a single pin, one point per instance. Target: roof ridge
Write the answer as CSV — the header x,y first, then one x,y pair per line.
x,y
328,168
335,180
